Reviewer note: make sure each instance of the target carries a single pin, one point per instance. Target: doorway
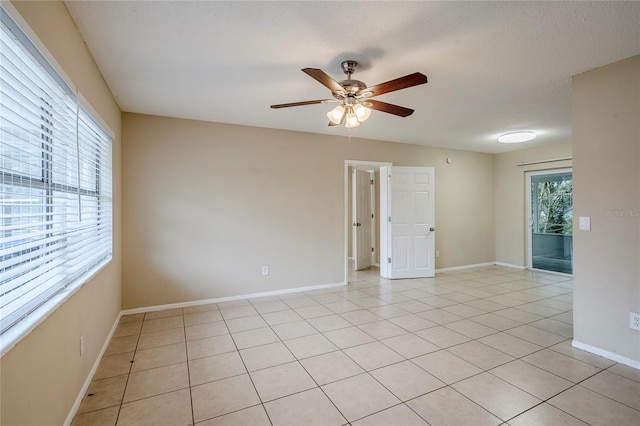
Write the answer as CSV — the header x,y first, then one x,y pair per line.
x,y
365,219
400,236
550,220
373,226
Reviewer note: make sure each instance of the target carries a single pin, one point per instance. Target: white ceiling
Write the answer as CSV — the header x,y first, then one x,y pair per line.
x,y
493,67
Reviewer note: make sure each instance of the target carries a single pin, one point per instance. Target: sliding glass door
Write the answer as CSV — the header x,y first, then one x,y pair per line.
x,y
551,220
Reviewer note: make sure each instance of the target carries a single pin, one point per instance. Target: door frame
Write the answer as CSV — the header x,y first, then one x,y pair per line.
x,y
372,206
528,220
346,219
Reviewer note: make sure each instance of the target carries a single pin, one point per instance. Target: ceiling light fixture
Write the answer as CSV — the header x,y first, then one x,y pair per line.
x,y
336,115
350,115
517,137
354,95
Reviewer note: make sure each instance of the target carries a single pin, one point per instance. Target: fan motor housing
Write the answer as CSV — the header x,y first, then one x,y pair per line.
x,y
352,86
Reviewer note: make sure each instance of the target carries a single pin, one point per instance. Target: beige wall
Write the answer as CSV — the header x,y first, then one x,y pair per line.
x,y
205,205
43,374
606,165
510,193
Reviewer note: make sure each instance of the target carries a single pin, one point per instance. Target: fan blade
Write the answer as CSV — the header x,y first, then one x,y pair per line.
x,y
318,101
323,78
410,80
390,108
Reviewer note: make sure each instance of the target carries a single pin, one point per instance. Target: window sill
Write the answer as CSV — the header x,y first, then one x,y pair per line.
x,y
23,328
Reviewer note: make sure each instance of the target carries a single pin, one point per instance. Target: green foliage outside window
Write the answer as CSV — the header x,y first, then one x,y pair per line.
x,y
555,206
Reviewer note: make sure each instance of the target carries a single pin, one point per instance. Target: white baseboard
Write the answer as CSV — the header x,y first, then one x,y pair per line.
x,y
509,265
87,382
606,354
481,265
230,298
459,268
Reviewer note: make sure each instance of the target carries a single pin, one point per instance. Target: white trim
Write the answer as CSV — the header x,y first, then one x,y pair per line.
x,y
23,328
84,103
87,382
509,265
353,219
26,29
553,160
459,268
606,354
528,219
231,298
346,219
35,40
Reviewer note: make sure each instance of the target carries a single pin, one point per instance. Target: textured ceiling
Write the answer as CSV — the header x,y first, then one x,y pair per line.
x,y
493,67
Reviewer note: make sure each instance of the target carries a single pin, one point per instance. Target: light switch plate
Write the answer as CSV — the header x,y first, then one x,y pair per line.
x,y
585,223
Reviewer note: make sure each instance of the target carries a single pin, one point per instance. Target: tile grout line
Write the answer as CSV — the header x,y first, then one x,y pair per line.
x,y
245,366
130,368
299,363
186,352
403,289
338,350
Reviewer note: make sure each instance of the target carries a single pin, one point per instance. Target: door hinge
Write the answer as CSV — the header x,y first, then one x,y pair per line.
x,y
388,260
371,215
389,219
372,250
389,178
371,181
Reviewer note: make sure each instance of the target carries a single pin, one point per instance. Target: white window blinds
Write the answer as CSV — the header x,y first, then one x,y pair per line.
x,y
55,182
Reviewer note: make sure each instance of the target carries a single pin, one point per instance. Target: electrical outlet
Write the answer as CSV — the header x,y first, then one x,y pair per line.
x,y
265,270
82,345
634,321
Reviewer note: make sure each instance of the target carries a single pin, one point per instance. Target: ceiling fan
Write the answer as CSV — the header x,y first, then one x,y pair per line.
x,y
355,97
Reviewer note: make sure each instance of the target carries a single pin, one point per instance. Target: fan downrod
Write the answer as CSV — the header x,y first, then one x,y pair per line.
x,y
351,86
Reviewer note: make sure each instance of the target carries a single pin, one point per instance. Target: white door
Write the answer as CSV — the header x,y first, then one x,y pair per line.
x,y
362,219
409,251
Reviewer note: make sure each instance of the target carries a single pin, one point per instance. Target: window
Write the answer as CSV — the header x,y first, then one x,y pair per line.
x,y
551,210
553,203
55,184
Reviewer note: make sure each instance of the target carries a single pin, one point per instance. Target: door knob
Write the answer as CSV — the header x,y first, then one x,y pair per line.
x,y
432,229
357,224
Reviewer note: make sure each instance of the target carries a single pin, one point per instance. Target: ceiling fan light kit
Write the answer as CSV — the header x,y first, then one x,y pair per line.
x,y
362,112
350,115
336,115
354,96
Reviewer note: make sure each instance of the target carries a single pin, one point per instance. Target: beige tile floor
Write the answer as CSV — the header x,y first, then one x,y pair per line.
x,y
483,346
